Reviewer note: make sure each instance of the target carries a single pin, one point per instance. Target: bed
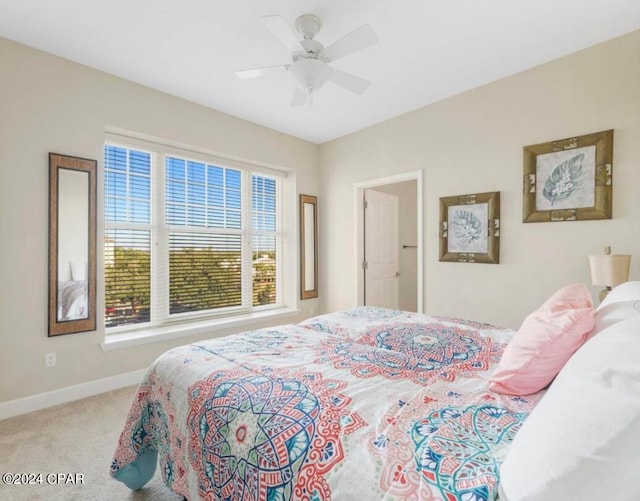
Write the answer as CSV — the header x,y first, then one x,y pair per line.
x,y
376,404
367,403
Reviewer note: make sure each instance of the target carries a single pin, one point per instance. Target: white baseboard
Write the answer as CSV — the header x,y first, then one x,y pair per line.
x,y
68,394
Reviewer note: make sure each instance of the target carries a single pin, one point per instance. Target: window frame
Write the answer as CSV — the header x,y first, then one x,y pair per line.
x,y
160,318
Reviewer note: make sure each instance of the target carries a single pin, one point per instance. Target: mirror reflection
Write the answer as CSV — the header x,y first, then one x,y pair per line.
x,y
73,251
309,248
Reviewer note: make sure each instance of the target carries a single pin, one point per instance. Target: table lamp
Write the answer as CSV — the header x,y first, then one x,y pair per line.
x,y
609,270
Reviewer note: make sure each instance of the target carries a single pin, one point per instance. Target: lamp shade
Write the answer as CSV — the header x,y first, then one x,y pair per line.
x,y
609,270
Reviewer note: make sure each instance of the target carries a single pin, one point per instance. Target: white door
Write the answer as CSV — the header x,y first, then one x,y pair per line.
x,y
381,244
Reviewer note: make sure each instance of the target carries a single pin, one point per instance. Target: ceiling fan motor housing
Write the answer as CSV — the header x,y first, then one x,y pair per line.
x,y
313,50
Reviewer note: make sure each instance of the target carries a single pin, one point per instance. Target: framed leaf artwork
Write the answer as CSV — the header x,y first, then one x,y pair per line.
x,y
470,228
569,179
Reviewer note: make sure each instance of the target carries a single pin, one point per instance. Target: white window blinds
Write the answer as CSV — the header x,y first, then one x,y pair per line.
x,y
187,237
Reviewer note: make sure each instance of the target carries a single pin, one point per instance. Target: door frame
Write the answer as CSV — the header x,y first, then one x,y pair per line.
x,y
359,229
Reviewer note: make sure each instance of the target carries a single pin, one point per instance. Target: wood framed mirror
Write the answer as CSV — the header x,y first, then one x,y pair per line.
x,y
308,247
72,244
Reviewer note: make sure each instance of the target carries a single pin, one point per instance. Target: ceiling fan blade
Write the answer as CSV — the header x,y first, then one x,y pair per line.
x,y
300,97
260,72
281,30
348,81
358,39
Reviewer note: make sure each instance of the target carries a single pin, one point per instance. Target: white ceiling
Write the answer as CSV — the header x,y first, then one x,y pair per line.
x,y
428,49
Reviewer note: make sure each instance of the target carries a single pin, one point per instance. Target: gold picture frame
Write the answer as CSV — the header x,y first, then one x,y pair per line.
x,y
470,228
569,179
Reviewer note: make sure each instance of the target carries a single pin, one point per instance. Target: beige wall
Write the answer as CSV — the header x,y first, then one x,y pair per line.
x,y
48,104
472,143
467,144
406,192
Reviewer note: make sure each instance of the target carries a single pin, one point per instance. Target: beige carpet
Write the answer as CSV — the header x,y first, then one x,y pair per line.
x,y
79,437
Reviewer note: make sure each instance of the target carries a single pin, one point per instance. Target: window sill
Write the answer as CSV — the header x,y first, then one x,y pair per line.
x,y
176,331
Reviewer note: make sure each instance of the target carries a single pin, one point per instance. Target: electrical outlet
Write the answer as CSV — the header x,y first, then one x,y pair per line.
x,y
50,360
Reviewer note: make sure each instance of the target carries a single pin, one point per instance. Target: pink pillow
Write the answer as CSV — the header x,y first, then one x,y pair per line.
x,y
545,341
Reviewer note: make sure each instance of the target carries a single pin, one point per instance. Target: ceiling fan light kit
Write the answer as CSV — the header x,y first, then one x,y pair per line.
x,y
309,67
310,74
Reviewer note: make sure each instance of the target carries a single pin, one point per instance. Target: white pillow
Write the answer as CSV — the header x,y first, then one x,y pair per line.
x,y
611,313
621,303
628,291
582,439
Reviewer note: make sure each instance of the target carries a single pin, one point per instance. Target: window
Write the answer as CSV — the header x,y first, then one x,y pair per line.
x,y
187,236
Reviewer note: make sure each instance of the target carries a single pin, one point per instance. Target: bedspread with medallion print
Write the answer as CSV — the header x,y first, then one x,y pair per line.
x,y
367,404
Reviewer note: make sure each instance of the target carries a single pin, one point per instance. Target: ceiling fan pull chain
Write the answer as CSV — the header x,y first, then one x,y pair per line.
x,y
310,97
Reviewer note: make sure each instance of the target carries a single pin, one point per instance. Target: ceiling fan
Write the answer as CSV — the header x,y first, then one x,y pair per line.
x,y
310,59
